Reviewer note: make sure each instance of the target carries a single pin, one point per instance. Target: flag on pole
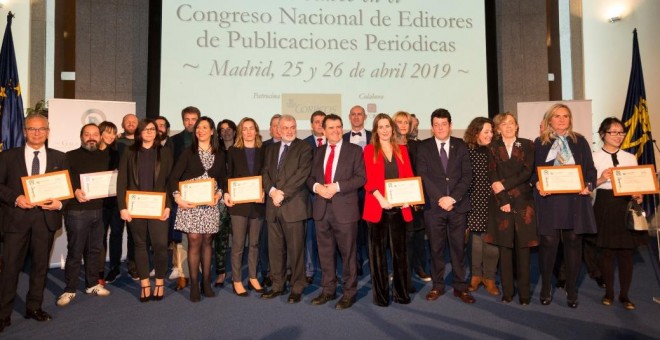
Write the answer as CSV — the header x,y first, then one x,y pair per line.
x,y
638,140
11,102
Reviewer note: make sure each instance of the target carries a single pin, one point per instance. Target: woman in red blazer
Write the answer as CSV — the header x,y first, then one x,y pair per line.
x,y
385,159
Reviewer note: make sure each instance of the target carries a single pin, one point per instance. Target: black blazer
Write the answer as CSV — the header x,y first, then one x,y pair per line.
x,y
237,166
12,168
127,178
189,166
455,182
291,179
350,175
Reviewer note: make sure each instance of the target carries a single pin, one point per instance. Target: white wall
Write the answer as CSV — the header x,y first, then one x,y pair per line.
x,y
20,28
608,54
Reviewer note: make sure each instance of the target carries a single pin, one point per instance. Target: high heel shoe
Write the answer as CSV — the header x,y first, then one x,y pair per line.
x,y
251,287
144,297
158,297
220,280
208,291
194,293
243,294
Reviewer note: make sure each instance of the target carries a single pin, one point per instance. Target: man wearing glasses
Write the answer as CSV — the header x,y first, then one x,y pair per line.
x,y
27,226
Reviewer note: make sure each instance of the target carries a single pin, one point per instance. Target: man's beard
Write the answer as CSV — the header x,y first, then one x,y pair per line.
x,y
90,147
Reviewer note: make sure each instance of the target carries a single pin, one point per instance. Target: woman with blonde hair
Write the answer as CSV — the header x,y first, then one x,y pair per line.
x,y
562,217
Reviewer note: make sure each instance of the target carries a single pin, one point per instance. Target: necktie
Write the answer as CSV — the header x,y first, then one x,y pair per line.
x,y
279,164
328,165
319,142
35,164
443,156
356,134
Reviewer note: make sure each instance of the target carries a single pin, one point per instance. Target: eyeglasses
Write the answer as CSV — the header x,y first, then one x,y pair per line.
x,y
149,130
35,130
616,133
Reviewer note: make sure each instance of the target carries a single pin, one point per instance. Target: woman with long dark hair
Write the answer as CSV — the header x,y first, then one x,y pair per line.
x,y
145,166
203,160
617,243
385,159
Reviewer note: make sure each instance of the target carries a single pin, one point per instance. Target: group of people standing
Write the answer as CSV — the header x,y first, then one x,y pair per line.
x,y
481,190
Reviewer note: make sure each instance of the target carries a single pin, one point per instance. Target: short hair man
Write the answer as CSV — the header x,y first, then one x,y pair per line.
x,y
29,227
444,164
84,217
358,134
317,138
287,165
129,123
337,174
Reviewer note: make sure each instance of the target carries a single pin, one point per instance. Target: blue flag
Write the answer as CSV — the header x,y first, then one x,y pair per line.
x,y
638,140
11,102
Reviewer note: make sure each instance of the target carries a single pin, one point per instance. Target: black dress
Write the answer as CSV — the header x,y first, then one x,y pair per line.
x,y
480,190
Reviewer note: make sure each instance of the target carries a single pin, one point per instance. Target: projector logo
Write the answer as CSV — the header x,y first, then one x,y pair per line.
x,y
302,105
95,116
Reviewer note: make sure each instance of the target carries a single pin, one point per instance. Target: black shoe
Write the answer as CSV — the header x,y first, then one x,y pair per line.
x,y
207,290
322,299
38,314
524,302
423,275
506,299
600,282
243,294
572,304
161,290
194,293
143,296
133,274
251,287
294,298
561,284
221,282
6,322
546,301
345,303
113,274
271,294
267,282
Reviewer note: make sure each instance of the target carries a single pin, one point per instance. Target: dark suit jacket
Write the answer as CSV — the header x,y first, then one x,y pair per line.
x,y
291,179
350,175
347,136
311,139
455,182
12,168
189,166
127,178
178,144
237,166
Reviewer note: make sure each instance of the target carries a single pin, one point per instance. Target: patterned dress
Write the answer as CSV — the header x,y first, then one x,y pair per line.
x,y
202,219
479,191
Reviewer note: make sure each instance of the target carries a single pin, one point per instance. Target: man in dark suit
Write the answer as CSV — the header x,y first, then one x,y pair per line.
x,y
287,165
180,141
359,136
316,140
444,164
28,226
264,264
337,174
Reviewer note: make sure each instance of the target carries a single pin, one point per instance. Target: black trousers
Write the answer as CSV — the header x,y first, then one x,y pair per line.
x,y
521,272
572,245
155,231
36,238
286,241
391,230
331,235
624,257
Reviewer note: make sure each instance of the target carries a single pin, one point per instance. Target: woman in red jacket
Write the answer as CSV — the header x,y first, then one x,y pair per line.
x,y
385,159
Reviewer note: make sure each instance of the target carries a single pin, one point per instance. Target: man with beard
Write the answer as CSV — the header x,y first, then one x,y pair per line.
x,y
84,217
129,123
163,126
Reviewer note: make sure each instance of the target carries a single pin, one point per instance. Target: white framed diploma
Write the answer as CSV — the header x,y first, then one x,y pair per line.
x,y
49,186
145,204
99,184
404,190
199,191
634,180
563,179
245,189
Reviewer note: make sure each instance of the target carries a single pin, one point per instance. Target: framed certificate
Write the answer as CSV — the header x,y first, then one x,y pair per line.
x,y
634,180
404,190
245,189
200,191
49,186
145,204
99,184
564,179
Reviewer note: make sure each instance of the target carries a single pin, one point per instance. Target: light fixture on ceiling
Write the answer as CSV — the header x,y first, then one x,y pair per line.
x,y
613,19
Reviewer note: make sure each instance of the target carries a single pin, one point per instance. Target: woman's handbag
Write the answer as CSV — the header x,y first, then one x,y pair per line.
x,y
636,217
